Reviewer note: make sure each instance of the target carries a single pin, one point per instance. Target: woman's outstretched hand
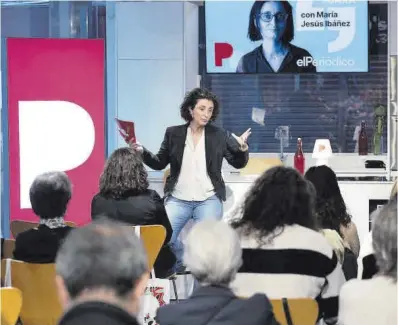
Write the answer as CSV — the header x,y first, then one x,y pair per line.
x,y
242,140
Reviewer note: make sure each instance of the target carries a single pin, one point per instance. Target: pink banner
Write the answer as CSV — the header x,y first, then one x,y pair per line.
x,y
56,111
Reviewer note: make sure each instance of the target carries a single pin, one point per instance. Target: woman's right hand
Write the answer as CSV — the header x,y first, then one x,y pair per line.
x,y
136,146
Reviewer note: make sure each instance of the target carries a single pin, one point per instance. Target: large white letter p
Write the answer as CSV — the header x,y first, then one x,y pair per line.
x,y
53,135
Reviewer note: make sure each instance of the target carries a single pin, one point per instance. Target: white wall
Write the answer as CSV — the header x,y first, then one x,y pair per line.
x,y
157,61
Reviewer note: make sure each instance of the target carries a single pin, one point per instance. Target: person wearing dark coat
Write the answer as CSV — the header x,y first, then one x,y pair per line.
x,y
214,264
49,196
124,196
102,272
195,151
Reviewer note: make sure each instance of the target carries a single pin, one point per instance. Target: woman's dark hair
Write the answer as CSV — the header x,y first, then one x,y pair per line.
x,y
330,208
50,194
254,33
124,175
191,99
281,196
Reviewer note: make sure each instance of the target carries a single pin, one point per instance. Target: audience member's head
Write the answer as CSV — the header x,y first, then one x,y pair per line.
x,y
279,197
384,238
330,208
50,194
124,175
212,252
103,261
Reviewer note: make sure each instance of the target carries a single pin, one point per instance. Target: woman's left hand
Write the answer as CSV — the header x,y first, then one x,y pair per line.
x,y
246,135
242,140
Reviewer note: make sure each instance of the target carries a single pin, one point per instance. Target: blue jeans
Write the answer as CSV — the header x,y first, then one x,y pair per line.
x,y
180,212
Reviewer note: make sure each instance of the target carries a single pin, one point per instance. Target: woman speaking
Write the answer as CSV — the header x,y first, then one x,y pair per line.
x,y
195,151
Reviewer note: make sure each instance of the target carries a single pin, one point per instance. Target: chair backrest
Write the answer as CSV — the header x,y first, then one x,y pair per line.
x,y
153,238
11,303
303,311
18,226
8,248
40,304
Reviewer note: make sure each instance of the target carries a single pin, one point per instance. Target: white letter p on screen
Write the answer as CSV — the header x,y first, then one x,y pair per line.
x,y
53,135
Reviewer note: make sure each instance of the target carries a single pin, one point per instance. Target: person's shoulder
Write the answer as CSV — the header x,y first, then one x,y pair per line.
x,y
149,194
246,62
304,232
352,288
97,197
214,128
298,51
259,300
175,128
27,241
216,132
153,194
356,286
100,200
167,313
356,292
252,54
256,309
308,239
96,312
27,234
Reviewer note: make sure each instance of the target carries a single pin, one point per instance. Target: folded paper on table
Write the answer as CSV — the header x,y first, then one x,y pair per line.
x,y
126,130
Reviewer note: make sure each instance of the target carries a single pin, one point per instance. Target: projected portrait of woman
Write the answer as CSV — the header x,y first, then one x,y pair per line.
x,y
272,22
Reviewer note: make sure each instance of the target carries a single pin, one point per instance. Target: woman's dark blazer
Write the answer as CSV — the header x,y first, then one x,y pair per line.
x,y
219,144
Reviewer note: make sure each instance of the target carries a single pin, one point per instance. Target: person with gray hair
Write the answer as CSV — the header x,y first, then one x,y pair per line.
x,y
213,255
102,272
49,196
374,301
367,266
